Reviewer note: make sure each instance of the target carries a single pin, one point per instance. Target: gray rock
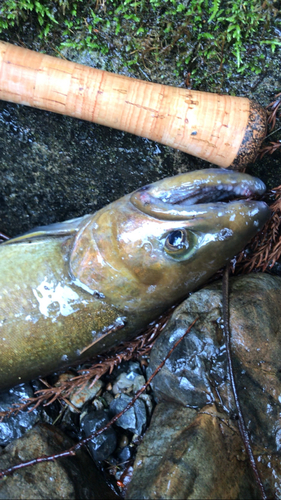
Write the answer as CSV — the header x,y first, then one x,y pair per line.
x,y
16,425
103,445
71,478
125,454
134,419
192,444
129,381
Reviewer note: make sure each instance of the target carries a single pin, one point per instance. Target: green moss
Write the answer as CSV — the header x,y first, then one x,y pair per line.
x,y
230,38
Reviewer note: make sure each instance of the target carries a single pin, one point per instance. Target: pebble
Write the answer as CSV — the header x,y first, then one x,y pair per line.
x,y
134,419
16,425
104,444
80,397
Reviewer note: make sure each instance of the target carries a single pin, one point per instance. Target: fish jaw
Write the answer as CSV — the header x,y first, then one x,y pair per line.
x,y
151,248
202,186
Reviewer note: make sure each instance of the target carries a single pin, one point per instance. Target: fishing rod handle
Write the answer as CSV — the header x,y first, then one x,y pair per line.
x,y
224,130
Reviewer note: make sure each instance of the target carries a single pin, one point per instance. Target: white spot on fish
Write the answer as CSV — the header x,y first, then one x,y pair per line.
x,y
224,234
255,211
33,319
55,299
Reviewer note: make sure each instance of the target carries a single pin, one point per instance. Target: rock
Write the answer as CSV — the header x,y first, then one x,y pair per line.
x,y
131,381
125,454
103,445
134,419
16,425
79,397
192,442
71,478
189,455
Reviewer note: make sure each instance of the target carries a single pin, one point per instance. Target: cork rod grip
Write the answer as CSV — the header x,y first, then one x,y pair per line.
x,y
223,130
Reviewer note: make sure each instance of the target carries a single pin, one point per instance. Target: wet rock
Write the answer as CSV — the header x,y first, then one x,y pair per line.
x,y
72,477
131,381
123,441
103,445
196,451
80,397
134,419
125,454
16,425
189,455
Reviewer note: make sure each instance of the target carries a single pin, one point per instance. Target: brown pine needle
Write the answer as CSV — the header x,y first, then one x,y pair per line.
x,y
264,249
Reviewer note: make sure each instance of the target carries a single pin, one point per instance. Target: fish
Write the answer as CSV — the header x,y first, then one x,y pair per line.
x,y
71,290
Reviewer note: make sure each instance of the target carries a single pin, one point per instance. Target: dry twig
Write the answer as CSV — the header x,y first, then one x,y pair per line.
x,y
270,148
3,237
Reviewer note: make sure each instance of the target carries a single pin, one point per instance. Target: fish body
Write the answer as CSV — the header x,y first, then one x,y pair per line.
x,y
100,279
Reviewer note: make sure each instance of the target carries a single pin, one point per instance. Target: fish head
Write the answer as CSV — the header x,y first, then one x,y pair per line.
x,y
151,248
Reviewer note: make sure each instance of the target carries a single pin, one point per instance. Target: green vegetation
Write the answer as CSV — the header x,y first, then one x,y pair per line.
x,y
226,37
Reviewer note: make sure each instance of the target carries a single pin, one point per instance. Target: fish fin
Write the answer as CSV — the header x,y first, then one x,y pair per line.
x,y
65,228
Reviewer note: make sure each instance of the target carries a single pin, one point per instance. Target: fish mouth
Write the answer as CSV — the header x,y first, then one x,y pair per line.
x,y
194,193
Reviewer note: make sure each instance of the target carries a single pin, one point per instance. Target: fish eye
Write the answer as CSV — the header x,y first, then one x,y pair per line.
x,y
176,241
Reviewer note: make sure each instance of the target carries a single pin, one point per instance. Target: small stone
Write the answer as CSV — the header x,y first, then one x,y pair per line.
x,y
104,444
97,404
64,377
125,454
16,425
148,402
128,382
134,419
80,397
123,441
107,397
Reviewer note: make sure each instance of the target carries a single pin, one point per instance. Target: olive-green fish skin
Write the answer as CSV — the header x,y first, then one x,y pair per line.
x,y
102,278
